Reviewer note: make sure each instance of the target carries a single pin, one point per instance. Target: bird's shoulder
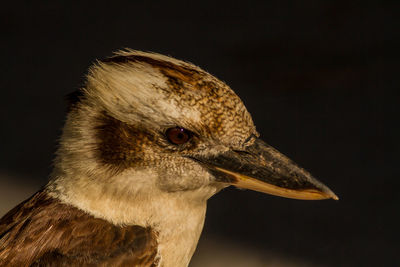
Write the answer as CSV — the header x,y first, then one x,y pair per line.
x,y
42,231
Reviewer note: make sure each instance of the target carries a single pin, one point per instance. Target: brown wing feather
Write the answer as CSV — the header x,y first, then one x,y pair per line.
x,y
42,231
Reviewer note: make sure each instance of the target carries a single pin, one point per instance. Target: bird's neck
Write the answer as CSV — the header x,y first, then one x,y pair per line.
x,y
132,199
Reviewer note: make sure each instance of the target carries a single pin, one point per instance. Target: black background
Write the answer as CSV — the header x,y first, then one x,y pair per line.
x,y
319,78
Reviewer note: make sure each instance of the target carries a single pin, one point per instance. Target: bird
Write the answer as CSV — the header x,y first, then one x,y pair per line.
x,y
147,140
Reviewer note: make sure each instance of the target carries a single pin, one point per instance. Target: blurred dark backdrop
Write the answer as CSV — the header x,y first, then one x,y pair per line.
x,y
319,78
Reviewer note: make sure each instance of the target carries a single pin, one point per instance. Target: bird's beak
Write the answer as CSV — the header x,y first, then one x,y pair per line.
x,y
262,168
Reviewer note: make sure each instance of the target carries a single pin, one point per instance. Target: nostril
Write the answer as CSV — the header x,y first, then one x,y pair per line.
x,y
242,152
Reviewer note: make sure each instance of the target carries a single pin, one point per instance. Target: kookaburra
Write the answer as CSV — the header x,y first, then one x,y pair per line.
x,y
147,141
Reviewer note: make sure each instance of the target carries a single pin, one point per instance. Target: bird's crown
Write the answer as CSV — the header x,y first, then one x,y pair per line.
x,y
153,89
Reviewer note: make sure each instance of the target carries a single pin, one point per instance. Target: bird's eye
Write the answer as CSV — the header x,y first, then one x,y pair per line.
x,y
178,135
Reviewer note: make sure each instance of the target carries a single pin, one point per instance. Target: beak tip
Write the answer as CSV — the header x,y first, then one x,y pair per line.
x,y
335,197
330,194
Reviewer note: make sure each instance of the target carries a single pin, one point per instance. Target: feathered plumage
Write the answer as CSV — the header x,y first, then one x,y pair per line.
x,y
146,142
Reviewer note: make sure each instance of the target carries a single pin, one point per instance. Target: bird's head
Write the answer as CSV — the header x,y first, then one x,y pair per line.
x,y
145,120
